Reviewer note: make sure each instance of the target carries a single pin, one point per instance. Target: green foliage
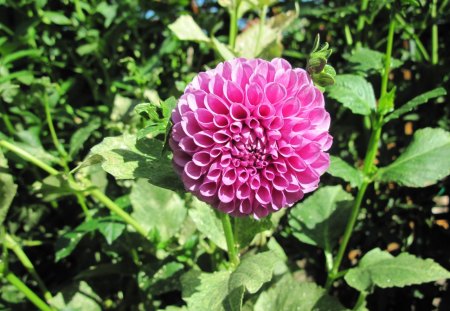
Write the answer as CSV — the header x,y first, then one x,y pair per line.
x,y
78,296
424,161
354,92
320,219
185,28
8,188
379,268
364,60
340,168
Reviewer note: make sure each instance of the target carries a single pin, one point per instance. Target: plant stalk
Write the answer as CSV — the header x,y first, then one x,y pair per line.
x,y
368,167
262,21
94,193
229,237
26,262
234,23
434,34
16,282
361,20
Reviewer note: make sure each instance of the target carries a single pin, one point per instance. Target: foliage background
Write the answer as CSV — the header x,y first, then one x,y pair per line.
x,y
93,61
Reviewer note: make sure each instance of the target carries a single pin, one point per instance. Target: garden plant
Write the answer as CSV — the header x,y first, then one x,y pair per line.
x,y
224,155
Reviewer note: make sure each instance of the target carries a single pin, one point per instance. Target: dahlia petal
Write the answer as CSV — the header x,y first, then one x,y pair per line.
x,y
216,105
204,139
275,92
202,158
243,191
226,193
233,92
229,176
245,207
239,112
253,94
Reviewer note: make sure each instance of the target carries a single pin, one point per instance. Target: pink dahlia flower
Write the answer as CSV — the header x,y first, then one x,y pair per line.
x,y
250,136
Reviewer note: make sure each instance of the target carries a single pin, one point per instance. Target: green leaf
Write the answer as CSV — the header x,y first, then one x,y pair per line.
x,y
67,243
207,222
354,92
8,188
87,48
185,28
425,161
76,297
341,169
205,292
321,218
111,228
246,228
223,50
81,136
149,280
287,295
379,268
386,102
415,102
367,61
246,44
56,18
53,187
254,271
108,11
126,158
157,208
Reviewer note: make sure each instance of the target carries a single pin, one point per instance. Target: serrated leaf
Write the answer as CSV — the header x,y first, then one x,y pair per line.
x,y
185,28
415,102
8,188
340,168
379,268
287,295
254,271
126,158
366,60
157,208
321,218
245,229
207,222
354,92
425,161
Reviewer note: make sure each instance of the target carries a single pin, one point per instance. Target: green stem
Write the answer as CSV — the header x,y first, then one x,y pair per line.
x,y
361,20
94,193
361,298
387,64
368,167
38,302
234,23
26,262
262,21
28,157
118,211
229,237
434,34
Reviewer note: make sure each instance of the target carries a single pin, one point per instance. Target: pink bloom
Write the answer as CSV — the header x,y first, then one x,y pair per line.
x,y
250,136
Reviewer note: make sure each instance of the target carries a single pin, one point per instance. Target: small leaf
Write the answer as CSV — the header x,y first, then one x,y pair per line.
x,y
157,208
367,61
56,18
415,102
425,161
354,92
341,169
8,188
245,229
321,218
185,28
78,296
223,50
53,187
386,102
207,222
108,11
287,295
111,228
126,158
81,136
379,268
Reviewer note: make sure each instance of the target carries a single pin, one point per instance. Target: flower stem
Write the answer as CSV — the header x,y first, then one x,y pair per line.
x,y
16,282
262,21
434,35
94,193
229,237
368,167
26,262
234,23
361,20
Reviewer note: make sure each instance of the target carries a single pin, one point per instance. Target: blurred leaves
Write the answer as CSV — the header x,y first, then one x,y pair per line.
x,y
8,188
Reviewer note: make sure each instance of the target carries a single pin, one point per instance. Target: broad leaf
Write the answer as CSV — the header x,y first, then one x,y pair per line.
x,y
81,136
321,218
223,49
287,295
111,228
379,268
124,158
185,28
354,92
366,60
340,168
157,208
245,229
425,161
207,222
415,102
254,271
78,296
8,188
